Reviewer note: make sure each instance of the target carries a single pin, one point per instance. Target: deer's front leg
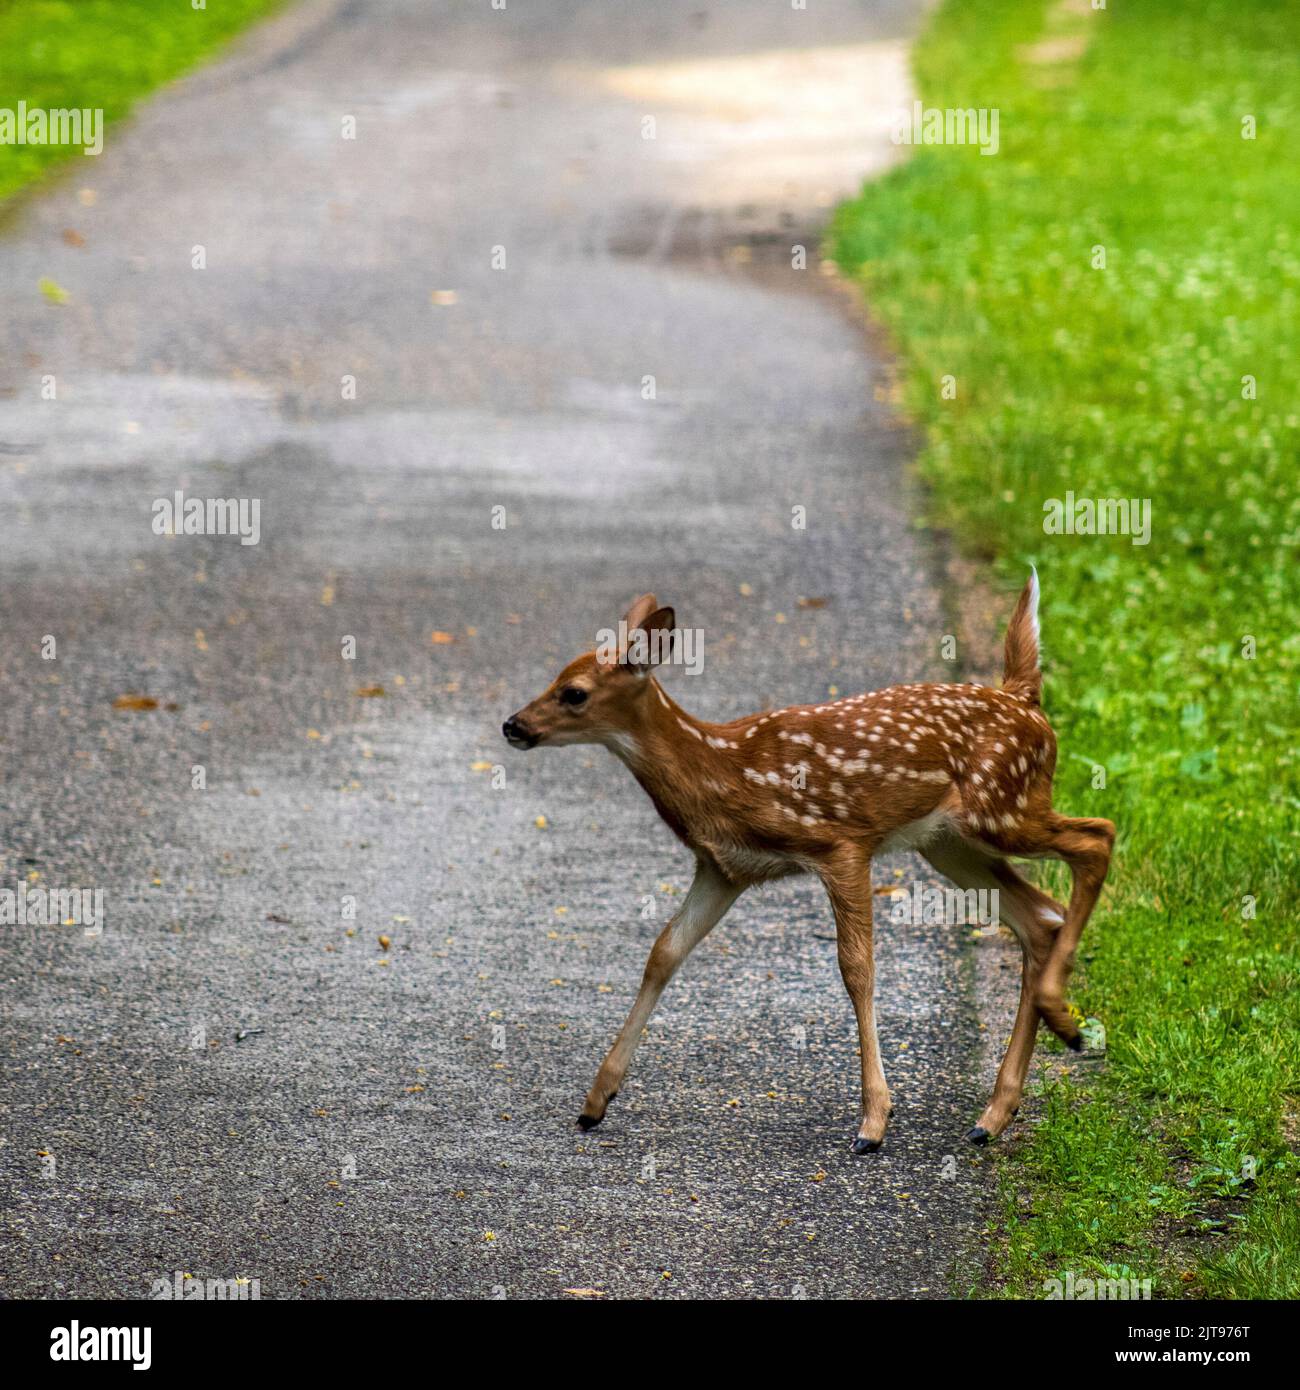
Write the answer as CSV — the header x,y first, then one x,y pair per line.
x,y
705,904
847,876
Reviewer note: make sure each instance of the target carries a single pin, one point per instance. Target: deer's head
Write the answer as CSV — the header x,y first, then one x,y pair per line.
x,y
598,695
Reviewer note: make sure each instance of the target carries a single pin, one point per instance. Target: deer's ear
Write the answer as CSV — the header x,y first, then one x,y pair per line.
x,y
640,611
651,642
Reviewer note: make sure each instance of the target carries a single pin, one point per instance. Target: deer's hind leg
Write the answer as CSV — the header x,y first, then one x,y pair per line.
x,y
1035,918
1085,844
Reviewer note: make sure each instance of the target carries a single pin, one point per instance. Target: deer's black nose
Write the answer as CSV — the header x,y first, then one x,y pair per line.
x,y
516,735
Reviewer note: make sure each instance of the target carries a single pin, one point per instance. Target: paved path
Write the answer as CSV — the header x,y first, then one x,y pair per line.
x,y
203,1075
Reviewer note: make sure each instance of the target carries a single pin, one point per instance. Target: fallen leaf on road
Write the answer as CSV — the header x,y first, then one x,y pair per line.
x,y
384,942
440,639
72,237
813,602
135,702
55,293
480,766
586,1293
371,692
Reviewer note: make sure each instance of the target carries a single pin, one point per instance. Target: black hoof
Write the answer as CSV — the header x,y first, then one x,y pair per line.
x,y
979,1135
1075,1044
866,1146
587,1122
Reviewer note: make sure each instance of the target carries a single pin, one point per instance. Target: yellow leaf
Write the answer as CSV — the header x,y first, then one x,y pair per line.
x,y
55,293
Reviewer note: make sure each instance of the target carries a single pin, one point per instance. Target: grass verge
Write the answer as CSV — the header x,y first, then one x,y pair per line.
x,y
1114,295
100,55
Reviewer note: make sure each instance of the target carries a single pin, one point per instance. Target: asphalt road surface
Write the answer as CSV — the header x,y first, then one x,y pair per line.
x,y
457,265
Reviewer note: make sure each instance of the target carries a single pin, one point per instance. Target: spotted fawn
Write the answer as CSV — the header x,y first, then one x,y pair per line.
x,y
960,773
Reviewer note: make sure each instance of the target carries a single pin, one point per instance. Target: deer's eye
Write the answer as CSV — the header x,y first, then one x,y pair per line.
x,y
573,695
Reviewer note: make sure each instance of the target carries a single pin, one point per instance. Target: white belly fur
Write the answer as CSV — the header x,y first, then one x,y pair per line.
x,y
917,833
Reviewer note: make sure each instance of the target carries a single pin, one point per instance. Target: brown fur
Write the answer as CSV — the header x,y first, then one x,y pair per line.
x,y
963,773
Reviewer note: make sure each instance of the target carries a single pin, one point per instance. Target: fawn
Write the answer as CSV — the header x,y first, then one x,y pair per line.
x,y
960,773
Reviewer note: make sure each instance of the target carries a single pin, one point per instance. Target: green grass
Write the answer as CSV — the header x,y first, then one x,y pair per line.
x,y
1173,1159
100,54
